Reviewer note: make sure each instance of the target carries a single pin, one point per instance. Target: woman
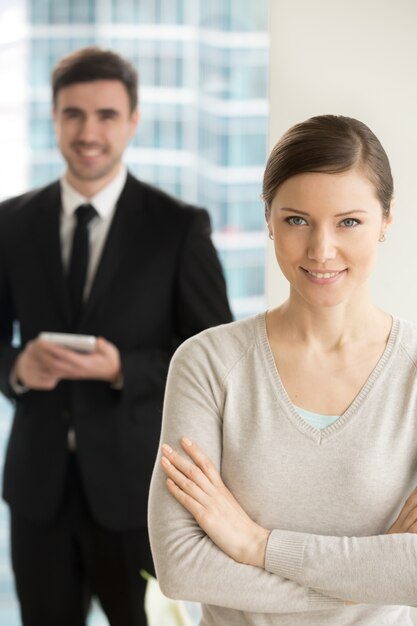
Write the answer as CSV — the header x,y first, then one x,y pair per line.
x,y
287,503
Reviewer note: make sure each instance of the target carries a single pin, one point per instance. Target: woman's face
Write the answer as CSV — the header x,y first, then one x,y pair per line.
x,y
326,229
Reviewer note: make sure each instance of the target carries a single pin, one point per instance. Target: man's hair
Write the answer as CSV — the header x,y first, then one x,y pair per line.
x,y
93,63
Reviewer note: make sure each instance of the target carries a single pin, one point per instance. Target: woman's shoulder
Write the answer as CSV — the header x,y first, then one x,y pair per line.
x,y
408,337
224,344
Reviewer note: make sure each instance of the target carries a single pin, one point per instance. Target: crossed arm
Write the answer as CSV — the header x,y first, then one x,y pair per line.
x,y
197,485
208,549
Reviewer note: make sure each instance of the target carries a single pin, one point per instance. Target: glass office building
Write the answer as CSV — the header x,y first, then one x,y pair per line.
x,y
203,70
203,98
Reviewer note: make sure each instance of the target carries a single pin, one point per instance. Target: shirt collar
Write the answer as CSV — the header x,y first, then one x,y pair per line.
x,y
104,201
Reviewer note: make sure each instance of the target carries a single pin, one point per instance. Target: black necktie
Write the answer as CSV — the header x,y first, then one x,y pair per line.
x,y
79,258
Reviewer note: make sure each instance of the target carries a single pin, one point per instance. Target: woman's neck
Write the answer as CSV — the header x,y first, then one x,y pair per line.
x,y
328,328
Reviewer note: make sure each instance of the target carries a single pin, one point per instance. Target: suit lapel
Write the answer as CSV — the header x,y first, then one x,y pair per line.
x,y
49,245
116,247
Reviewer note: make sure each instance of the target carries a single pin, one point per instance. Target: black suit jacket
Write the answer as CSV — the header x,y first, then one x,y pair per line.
x,y
159,281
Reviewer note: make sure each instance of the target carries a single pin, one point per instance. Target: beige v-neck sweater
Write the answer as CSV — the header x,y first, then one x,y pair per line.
x,y
329,495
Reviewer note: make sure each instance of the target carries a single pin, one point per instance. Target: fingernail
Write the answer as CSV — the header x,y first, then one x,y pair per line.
x,y
167,448
186,441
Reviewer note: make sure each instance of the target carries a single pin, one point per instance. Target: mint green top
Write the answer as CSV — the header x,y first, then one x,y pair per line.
x,y
328,495
316,419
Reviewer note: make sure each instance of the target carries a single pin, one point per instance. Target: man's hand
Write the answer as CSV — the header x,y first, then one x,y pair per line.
x,y
42,364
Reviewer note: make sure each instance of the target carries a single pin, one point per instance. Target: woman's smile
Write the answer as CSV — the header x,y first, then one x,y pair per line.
x,y
323,277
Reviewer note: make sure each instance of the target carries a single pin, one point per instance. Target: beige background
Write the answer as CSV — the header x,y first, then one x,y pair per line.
x,y
356,58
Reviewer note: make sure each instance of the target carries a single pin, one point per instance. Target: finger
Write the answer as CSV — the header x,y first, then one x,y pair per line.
x,y
406,526
102,345
72,357
64,364
408,511
410,520
107,349
47,367
187,468
44,382
412,527
78,365
209,469
46,348
410,503
183,482
54,359
47,385
68,369
202,461
187,501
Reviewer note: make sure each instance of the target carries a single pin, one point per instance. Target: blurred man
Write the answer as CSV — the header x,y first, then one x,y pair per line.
x,y
103,254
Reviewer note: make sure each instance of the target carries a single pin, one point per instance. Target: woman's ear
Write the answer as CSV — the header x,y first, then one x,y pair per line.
x,y
389,218
268,225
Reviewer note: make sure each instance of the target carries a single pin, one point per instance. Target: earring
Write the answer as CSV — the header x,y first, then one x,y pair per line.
x,y
270,235
382,238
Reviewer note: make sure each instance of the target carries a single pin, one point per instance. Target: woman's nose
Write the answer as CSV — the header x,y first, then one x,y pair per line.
x,y
321,247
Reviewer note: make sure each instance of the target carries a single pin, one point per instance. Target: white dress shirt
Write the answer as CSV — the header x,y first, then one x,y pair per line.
x,y
104,203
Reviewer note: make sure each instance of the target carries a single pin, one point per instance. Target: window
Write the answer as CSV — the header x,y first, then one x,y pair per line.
x,y
202,136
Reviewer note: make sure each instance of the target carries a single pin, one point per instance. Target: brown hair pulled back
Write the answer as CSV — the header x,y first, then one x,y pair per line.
x,y
332,144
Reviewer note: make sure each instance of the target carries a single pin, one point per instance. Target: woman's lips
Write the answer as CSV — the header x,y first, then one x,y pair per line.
x,y
323,276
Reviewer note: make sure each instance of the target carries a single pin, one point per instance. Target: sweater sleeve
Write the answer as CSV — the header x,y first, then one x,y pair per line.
x,y
189,565
379,569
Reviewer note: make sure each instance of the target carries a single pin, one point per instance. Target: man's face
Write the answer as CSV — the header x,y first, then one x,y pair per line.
x,y
93,124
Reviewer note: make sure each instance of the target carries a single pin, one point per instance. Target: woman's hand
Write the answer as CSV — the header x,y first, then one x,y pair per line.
x,y
406,522
197,485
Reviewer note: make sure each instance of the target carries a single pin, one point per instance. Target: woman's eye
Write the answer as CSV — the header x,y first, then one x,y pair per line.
x,y
350,222
296,220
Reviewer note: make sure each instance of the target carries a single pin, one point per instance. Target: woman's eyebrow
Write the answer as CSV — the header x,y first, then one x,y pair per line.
x,y
288,209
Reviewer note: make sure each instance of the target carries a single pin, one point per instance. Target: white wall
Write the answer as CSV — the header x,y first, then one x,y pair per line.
x,y
356,58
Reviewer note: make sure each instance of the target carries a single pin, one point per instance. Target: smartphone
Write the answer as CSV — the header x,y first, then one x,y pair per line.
x,y
80,343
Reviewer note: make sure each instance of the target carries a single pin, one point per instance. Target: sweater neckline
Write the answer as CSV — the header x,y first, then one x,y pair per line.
x,y
320,435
